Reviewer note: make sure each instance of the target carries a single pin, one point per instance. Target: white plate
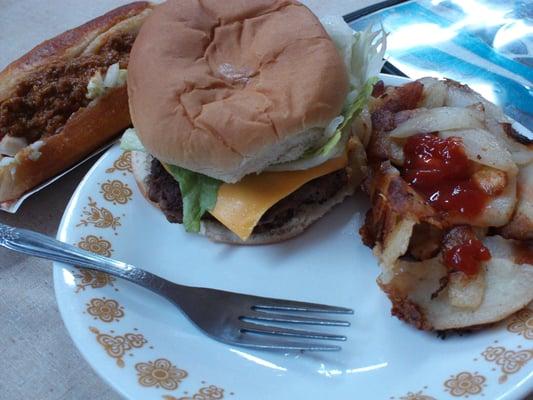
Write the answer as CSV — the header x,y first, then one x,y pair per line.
x,y
146,349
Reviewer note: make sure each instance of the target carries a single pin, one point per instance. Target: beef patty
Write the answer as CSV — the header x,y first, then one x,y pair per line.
x,y
164,190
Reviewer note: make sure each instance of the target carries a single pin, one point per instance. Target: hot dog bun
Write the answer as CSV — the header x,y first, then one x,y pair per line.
x,y
87,128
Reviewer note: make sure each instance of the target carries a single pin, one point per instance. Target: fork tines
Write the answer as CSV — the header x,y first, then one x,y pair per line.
x,y
264,318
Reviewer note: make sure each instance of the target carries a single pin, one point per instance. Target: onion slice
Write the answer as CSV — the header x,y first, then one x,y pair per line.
x,y
439,119
481,147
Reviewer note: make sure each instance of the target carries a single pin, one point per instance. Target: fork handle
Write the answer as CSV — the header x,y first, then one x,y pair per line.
x,y
39,245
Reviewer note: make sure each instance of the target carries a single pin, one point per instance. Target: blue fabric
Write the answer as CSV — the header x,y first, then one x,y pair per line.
x,y
447,38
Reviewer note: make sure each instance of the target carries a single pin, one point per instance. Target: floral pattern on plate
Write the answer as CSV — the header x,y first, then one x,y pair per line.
x,y
327,264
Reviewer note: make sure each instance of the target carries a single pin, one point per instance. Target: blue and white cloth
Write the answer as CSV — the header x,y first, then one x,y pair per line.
x,y
486,44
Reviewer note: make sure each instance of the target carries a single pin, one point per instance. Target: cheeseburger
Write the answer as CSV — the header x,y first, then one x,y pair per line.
x,y
243,114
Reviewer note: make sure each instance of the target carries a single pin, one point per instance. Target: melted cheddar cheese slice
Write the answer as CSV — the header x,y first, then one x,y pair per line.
x,y
241,205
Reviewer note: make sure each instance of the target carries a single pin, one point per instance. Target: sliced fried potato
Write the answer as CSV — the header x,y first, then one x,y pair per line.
x,y
398,98
434,94
425,293
396,208
362,127
425,241
499,210
460,95
395,242
395,152
496,213
508,288
495,121
439,119
481,147
491,181
466,292
521,225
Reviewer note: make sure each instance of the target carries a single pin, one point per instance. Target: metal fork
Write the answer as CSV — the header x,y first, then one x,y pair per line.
x,y
232,318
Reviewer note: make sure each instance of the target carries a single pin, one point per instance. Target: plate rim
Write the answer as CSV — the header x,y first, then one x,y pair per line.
x,y
519,389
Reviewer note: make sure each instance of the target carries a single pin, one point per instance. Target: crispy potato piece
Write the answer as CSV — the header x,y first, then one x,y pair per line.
x,y
406,234
396,208
438,119
425,242
466,292
481,148
508,288
521,224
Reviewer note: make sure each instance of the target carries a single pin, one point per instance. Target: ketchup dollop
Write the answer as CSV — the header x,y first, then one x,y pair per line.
x,y
440,170
466,257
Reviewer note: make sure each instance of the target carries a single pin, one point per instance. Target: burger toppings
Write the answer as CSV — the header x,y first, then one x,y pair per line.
x,y
240,206
362,53
199,194
164,190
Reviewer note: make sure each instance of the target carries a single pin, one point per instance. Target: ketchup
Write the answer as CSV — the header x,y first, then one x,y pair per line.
x,y
440,171
466,257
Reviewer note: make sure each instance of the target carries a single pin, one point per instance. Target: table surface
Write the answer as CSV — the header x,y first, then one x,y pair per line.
x,y
39,359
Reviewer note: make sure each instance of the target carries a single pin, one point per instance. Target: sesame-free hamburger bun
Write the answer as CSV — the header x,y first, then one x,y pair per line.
x,y
227,88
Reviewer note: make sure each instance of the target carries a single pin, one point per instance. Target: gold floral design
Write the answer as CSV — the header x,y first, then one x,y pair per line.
x,y
522,323
160,373
123,163
99,217
210,392
106,310
464,384
96,244
510,361
416,396
117,346
116,192
94,279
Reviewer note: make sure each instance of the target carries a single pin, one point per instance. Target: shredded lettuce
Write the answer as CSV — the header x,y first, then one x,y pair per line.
x,y
349,115
130,141
198,192
336,143
362,53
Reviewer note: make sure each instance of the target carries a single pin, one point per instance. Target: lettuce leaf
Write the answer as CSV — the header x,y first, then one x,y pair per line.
x,y
198,192
130,141
349,115
362,53
336,144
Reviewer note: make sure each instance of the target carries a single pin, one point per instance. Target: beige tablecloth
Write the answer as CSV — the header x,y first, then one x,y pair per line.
x,y
37,358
